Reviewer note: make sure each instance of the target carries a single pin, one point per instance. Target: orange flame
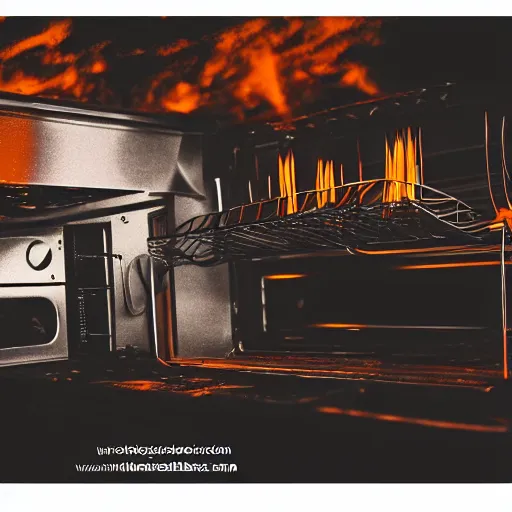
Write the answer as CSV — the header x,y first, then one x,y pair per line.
x,y
401,172
173,48
287,184
269,62
401,167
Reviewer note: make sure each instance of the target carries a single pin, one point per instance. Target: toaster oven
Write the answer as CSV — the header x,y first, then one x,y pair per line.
x,y
369,240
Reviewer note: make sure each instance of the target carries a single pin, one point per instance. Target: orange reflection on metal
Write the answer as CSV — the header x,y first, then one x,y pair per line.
x,y
414,421
210,390
412,251
284,276
149,385
433,375
453,265
325,183
369,326
139,385
339,326
16,152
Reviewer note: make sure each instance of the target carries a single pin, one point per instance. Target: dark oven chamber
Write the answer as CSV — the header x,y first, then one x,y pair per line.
x,y
374,232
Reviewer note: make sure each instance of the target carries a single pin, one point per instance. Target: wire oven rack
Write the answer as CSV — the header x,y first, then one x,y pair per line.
x,y
351,216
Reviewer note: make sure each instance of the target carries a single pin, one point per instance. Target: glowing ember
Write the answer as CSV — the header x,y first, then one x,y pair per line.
x,y
284,276
472,427
454,265
171,49
358,327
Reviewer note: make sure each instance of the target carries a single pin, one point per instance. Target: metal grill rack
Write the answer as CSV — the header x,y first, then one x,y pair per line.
x,y
352,216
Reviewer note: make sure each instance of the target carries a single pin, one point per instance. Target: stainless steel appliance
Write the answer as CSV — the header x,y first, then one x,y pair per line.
x,y
301,271
81,190
369,239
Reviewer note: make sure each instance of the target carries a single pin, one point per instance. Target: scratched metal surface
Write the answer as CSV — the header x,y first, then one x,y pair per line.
x,y
78,148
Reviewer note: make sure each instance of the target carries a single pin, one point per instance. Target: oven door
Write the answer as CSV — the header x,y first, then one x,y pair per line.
x,y
32,297
32,324
440,306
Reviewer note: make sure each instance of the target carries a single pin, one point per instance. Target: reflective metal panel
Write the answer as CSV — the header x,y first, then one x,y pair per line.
x,y
56,349
79,152
35,258
202,295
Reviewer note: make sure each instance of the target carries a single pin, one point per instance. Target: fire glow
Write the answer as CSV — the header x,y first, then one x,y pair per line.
x,y
263,64
402,174
325,183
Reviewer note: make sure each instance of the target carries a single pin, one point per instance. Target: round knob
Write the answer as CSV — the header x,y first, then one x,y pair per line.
x,y
39,255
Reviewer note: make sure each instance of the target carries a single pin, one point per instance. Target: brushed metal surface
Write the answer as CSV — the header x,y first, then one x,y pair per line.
x,y
44,107
13,254
58,348
94,209
130,231
202,296
78,152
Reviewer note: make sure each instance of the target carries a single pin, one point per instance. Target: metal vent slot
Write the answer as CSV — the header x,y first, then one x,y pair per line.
x,y
90,288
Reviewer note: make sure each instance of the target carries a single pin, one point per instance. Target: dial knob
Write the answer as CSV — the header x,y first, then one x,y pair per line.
x,y
39,255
